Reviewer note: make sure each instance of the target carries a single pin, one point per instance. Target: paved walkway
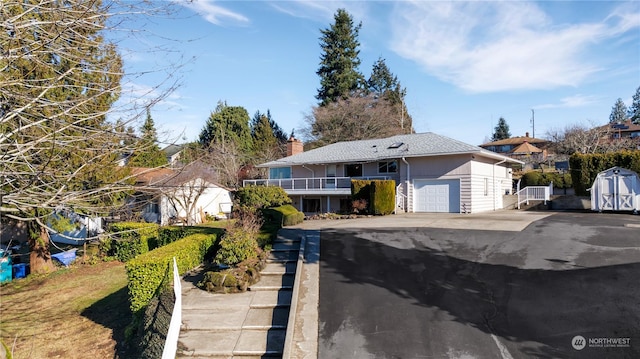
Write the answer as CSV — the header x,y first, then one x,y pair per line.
x,y
252,324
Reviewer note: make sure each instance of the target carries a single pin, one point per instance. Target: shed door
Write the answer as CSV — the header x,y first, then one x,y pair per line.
x,y
437,196
616,193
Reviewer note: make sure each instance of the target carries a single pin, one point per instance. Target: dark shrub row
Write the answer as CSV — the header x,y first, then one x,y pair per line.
x,y
585,168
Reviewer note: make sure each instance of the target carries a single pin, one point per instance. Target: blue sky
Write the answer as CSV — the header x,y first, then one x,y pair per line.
x,y
464,64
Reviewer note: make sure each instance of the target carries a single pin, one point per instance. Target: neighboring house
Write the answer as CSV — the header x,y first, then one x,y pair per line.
x,y
432,173
173,153
524,148
624,129
188,195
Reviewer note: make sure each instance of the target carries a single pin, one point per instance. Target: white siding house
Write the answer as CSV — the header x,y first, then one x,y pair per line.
x,y
433,173
180,196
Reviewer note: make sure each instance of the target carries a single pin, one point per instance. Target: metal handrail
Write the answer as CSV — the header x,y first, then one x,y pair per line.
x,y
534,193
313,183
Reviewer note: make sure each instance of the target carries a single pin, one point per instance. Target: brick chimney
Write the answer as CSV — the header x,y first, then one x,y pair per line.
x,y
294,146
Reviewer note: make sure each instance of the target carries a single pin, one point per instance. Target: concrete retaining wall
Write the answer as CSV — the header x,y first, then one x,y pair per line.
x,y
570,202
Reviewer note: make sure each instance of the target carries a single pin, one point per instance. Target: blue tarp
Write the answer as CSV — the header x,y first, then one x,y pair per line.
x,y
65,257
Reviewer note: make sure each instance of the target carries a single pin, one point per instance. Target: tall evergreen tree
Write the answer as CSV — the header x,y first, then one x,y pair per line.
x,y
501,131
339,74
269,140
149,153
384,85
228,124
618,112
634,109
262,133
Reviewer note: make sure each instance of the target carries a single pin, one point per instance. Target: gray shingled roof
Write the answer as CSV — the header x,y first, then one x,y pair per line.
x,y
413,145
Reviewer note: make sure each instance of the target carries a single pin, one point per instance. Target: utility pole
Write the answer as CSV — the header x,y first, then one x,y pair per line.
x,y
533,123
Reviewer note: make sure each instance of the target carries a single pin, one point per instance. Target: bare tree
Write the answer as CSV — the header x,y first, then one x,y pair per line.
x,y
61,92
188,186
586,139
356,118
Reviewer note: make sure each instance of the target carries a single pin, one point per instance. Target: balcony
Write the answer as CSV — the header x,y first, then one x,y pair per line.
x,y
309,186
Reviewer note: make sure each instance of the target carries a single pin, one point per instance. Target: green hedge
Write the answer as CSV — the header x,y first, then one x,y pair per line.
x,y
261,197
536,178
585,168
131,239
286,215
149,273
379,194
168,235
383,197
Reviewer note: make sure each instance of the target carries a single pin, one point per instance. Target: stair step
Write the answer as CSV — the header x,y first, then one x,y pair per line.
x,y
260,342
271,299
274,282
267,318
285,247
283,256
279,268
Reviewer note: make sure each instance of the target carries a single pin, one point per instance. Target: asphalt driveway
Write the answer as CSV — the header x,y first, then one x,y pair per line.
x,y
501,285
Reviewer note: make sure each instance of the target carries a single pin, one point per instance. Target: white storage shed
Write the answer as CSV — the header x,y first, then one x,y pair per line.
x,y
616,189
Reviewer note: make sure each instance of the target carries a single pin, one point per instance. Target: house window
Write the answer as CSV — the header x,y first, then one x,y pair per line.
x,y
353,170
505,148
388,167
152,208
279,172
331,170
311,205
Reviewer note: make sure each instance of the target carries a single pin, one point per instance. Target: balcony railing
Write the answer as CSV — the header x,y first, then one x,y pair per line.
x,y
309,184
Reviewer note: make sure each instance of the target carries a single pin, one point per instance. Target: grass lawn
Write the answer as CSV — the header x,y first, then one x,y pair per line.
x,y
79,312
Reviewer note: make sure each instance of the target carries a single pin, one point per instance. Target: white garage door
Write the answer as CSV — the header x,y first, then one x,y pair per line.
x,y
437,196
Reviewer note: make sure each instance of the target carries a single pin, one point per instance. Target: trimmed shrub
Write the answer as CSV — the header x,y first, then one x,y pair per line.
x,y
236,246
150,272
363,193
286,215
383,196
168,235
535,178
131,239
261,197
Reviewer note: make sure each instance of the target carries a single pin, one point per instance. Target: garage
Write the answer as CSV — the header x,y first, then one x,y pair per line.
x,y
441,196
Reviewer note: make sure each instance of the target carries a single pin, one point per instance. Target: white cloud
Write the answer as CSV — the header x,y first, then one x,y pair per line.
x,y
570,102
498,46
322,11
213,13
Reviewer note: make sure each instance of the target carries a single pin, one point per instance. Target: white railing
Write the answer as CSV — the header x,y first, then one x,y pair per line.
x,y
307,184
534,193
171,343
400,199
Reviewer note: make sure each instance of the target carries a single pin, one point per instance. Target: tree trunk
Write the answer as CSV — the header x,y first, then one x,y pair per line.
x,y
40,255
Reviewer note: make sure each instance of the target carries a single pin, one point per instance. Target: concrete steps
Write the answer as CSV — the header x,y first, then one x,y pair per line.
x,y
246,325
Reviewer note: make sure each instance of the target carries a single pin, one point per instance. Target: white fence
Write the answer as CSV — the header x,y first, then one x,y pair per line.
x,y
171,343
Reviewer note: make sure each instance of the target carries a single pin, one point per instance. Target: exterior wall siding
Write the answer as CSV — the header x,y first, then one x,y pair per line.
x,y
482,183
